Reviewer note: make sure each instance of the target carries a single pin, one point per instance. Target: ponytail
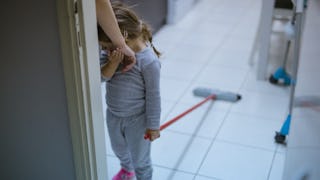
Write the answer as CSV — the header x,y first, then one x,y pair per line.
x,y
147,36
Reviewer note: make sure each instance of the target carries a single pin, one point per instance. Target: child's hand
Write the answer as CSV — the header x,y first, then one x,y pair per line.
x,y
116,56
152,134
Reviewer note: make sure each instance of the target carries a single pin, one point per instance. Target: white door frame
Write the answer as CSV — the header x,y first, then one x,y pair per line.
x,y
78,35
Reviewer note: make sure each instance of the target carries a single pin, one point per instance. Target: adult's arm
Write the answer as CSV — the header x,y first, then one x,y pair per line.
x,y
108,22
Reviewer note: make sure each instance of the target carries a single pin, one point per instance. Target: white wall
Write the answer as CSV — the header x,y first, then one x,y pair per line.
x,y
35,142
178,8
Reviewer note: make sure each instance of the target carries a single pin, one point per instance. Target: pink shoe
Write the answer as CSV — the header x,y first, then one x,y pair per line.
x,y
124,175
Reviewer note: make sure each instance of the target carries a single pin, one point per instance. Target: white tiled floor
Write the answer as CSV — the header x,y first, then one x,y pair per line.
x,y
210,48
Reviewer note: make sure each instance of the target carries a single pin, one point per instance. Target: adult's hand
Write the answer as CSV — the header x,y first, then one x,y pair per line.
x,y
108,23
130,61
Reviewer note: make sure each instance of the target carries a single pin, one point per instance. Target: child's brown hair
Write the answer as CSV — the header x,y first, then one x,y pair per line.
x,y
130,25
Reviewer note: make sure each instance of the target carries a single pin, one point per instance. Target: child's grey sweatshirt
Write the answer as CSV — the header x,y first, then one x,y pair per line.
x,y
137,90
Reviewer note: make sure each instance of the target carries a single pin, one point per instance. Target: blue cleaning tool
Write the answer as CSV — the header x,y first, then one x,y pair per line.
x,y
280,137
281,76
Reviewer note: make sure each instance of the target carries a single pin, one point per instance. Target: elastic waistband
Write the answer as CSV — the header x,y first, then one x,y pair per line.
x,y
126,114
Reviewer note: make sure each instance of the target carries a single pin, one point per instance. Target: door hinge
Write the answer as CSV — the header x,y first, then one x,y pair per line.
x,y
77,25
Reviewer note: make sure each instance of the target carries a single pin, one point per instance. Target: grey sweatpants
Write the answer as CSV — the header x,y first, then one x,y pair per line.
x,y
126,136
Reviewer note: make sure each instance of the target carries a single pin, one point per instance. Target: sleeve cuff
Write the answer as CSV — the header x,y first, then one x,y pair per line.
x,y
104,78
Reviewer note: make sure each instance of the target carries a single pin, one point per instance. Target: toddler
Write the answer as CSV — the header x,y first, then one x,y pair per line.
x,y
133,97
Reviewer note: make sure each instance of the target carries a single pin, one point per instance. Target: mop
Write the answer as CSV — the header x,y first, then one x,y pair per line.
x,y
300,5
208,94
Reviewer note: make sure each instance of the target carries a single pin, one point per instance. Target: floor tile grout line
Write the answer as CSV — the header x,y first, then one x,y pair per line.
x,y
260,92
263,118
211,144
194,80
189,85
246,145
224,119
217,140
222,140
272,162
205,64
309,147
191,140
170,169
209,177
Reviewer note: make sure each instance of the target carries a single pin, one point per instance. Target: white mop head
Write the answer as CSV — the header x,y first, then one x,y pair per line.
x,y
220,95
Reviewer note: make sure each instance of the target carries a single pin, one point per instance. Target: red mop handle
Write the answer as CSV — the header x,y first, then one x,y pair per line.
x,y
165,125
